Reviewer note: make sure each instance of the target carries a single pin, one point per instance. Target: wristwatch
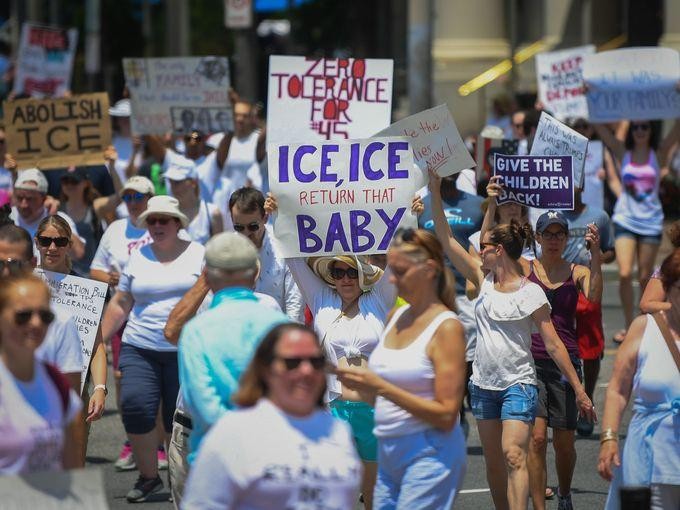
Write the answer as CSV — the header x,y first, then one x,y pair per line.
x,y
101,387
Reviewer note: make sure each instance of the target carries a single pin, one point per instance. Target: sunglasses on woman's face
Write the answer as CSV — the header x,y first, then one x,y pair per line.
x,y
161,221
59,242
639,127
317,362
252,227
133,197
338,273
22,317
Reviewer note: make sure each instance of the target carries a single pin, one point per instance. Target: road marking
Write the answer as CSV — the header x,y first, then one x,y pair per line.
x,y
473,491
603,385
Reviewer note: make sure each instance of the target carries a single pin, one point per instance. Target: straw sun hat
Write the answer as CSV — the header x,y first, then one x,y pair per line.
x,y
368,273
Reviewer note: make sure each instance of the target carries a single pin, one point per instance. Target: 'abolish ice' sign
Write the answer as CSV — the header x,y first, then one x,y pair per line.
x,y
341,197
543,182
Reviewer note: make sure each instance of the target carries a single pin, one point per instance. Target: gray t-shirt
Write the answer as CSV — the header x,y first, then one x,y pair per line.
x,y
576,251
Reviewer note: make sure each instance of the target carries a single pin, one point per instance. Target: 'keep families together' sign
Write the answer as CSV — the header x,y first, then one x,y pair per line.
x,y
341,197
542,182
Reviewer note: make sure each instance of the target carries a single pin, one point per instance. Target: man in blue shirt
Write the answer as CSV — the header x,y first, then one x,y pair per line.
x,y
216,346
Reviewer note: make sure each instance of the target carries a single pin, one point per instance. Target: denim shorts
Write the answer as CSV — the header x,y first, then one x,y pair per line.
x,y
620,231
359,415
518,402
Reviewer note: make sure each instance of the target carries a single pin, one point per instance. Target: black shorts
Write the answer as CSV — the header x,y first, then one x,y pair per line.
x,y
556,397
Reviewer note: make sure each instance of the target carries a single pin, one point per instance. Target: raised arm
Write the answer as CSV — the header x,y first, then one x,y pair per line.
x,y
590,280
610,140
466,264
104,207
663,152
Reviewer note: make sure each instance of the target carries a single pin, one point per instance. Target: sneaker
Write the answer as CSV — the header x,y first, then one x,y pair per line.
x,y
564,502
144,487
584,428
126,461
162,459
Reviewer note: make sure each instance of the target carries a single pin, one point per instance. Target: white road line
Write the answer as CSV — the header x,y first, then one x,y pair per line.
x,y
473,491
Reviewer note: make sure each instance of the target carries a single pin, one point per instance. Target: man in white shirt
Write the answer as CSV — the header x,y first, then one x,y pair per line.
x,y
30,191
246,206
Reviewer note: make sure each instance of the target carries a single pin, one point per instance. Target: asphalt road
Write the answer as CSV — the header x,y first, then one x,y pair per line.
x,y
589,490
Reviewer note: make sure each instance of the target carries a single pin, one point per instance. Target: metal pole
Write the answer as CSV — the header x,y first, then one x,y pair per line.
x,y
419,54
92,42
513,44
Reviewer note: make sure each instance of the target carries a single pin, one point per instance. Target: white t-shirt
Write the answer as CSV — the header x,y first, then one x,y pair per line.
x,y
503,354
199,228
62,346
156,288
32,422
281,461
206,167
118,242
123,146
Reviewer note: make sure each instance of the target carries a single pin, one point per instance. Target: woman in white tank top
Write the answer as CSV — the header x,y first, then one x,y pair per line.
x,y
646,370
416,378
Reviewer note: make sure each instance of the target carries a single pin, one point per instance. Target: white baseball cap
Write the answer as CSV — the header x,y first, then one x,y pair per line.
x,y
180,168
31,179
139,184
120,109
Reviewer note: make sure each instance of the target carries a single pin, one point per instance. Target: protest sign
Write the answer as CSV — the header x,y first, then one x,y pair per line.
x,y
632,83
555,139
238,13
81,298
75,489
341,197
543,182
327,98
54,133
179,94
435,141
486,151
45,61
593,184
560,81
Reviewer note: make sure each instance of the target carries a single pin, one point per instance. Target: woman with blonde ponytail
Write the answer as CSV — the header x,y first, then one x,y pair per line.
x,y
416,380
503,386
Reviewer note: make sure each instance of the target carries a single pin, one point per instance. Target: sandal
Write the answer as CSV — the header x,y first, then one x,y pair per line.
x,y
619,336
549,493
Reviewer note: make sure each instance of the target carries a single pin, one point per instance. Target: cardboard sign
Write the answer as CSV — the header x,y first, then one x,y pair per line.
x,y
486,151
341,197
435,141
83,299
54,133
327,98
45,61
238,13
560,81
555,139
541,182
632,83
179,94
75,489
593,185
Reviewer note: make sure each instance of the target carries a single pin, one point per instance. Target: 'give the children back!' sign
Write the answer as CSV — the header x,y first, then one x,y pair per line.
x,y
341,197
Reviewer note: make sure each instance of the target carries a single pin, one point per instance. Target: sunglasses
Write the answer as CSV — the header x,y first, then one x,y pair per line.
x,y
484,246
13,266
560,236
317,362
252,227
160,221
22,317
59,242
339,274
639,127
133,197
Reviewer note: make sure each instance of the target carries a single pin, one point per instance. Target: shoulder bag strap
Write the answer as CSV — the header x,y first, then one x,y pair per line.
x,y
668,337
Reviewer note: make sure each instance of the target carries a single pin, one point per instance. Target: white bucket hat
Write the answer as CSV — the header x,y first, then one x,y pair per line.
x,y
165,205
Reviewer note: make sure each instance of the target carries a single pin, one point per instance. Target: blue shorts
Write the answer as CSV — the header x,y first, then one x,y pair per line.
x,y
359,415
518,402
620,231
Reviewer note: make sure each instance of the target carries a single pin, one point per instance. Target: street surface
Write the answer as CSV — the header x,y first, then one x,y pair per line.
x,y
589,490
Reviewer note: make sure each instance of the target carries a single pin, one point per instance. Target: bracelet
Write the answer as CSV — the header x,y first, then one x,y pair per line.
x,y
608,435
101,387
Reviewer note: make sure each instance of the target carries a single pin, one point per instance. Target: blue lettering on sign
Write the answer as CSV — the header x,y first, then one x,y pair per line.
x,y
297,159
305,226
336,232
393,159
359,231
371,174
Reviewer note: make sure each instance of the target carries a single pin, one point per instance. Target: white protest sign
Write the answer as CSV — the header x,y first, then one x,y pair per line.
x,y
327,98
83,299
632,83
341,197
555,139
435,141
593,185
560,81
45,61
179,94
